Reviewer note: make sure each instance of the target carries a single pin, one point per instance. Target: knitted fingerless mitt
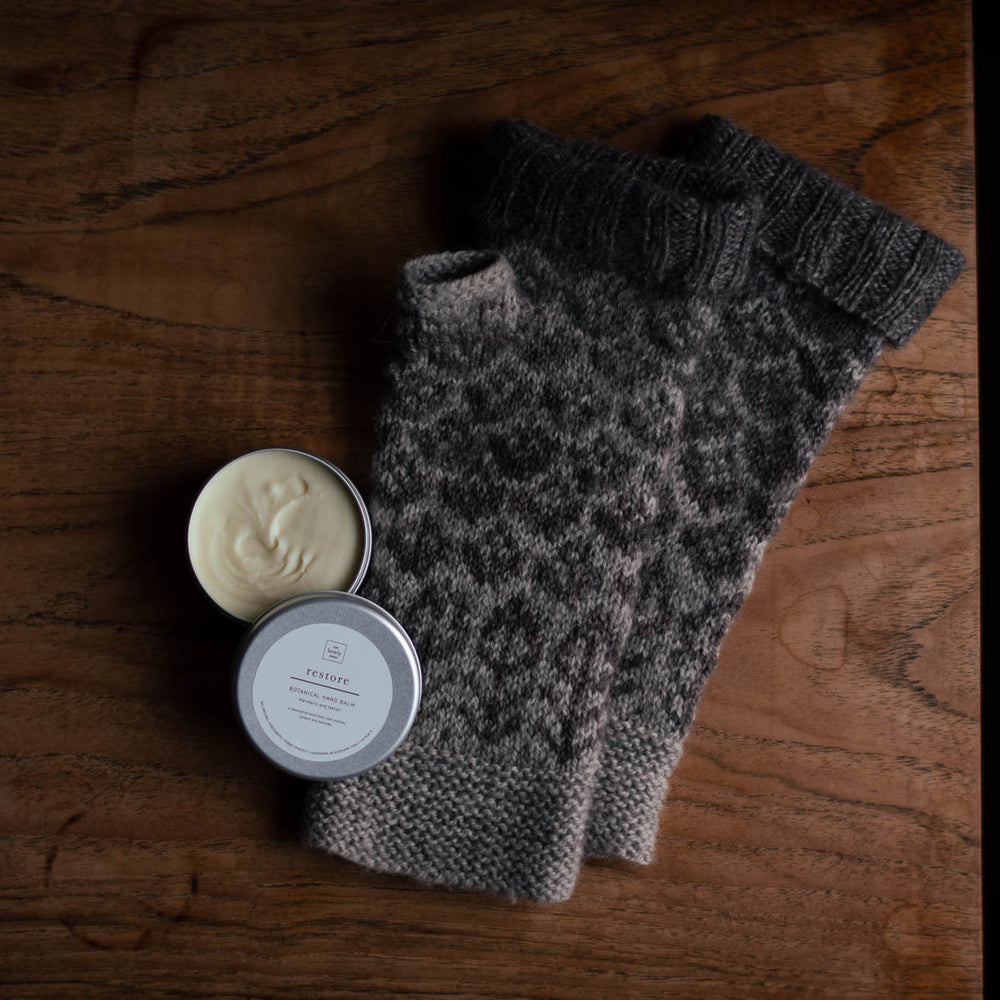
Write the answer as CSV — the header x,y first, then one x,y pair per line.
x,y
588,435
833,278
522,441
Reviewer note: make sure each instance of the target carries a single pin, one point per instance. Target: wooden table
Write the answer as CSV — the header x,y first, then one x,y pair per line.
x,y
203,210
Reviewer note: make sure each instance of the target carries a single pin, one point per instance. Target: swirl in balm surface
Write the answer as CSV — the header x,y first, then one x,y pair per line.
x,y
272,524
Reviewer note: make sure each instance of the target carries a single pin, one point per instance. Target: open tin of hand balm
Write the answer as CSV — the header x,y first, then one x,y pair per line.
x,y
275,523
326,683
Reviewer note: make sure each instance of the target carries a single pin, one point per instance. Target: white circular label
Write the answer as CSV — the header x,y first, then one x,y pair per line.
x,y
322,691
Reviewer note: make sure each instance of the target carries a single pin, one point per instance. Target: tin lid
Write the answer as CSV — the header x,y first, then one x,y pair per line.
x,y
326,684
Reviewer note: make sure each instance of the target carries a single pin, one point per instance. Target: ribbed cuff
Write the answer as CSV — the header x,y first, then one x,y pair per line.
x,y
659,221
471,824
629,792
864,257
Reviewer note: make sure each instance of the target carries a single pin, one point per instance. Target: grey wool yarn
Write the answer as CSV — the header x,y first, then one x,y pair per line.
x,y
589,433
831,278
521,444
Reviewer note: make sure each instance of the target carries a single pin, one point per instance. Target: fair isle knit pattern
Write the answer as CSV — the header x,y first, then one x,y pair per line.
x,y
765,371
587,438
518,460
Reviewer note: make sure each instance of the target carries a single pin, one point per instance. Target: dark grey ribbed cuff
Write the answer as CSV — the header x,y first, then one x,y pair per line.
x,y
864,257
504,828
629,791
658,221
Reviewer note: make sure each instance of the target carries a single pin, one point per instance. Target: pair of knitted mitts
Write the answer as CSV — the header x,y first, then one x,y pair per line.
x,y
589,433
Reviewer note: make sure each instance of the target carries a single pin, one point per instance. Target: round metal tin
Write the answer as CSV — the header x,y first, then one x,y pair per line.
x,y
366,523
326,684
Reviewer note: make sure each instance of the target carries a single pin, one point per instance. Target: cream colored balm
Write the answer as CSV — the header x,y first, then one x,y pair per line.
x,y
275,523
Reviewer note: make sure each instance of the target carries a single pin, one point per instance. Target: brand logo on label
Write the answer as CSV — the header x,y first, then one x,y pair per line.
x,y
334,651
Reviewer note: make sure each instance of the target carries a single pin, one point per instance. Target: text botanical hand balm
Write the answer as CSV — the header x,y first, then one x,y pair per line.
x,y
275,523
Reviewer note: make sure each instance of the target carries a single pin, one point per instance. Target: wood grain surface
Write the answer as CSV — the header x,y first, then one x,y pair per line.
x,y
202,211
